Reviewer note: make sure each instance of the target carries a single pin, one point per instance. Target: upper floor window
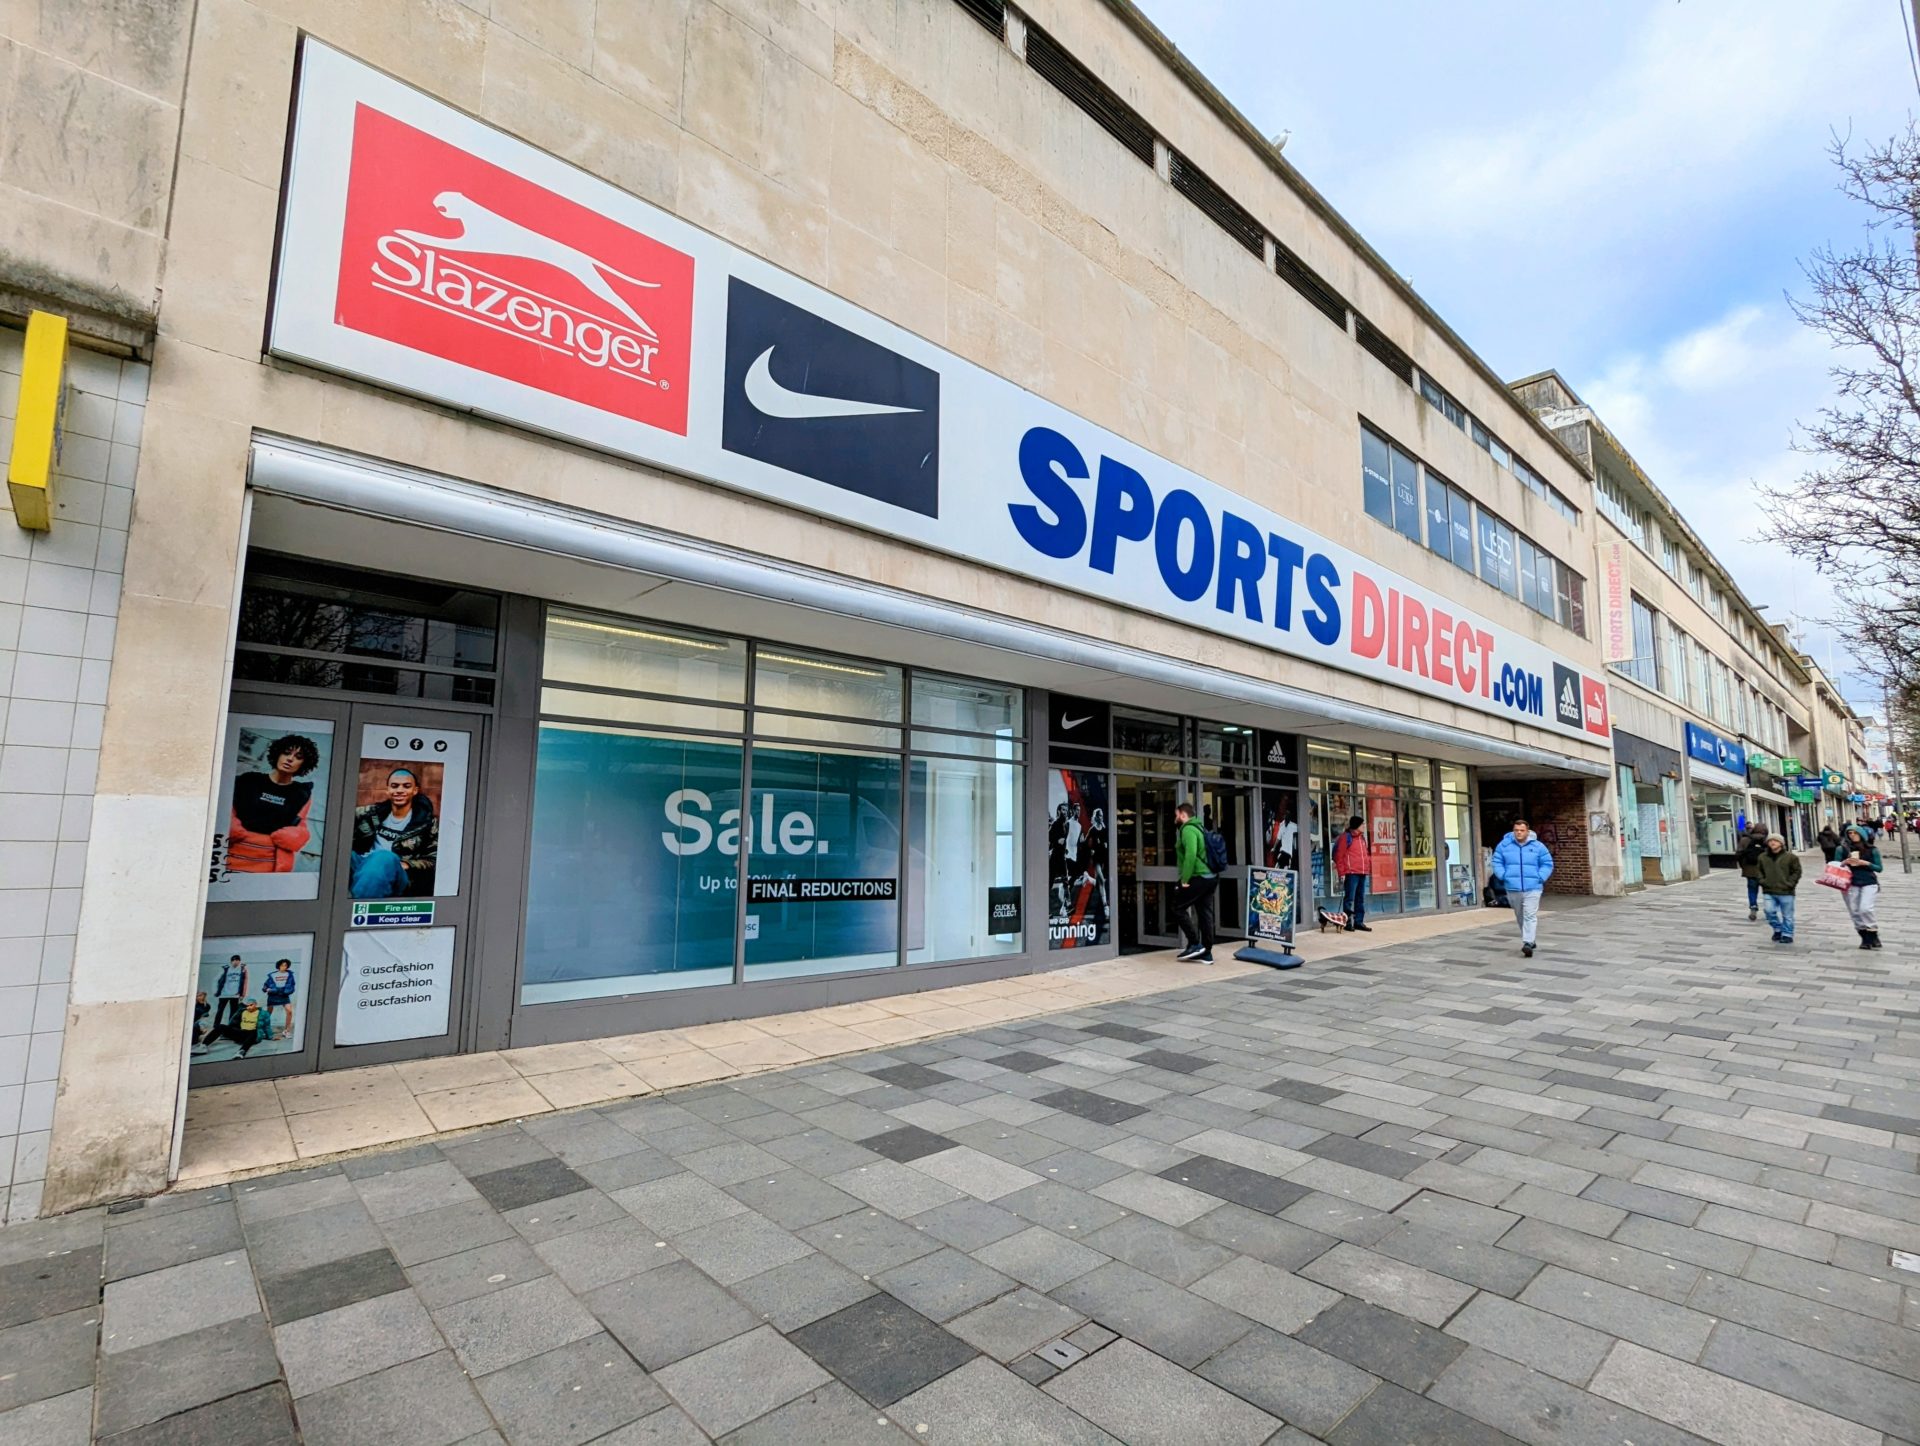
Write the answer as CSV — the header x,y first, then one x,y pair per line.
x,y
1615,505
1441,402
1644,666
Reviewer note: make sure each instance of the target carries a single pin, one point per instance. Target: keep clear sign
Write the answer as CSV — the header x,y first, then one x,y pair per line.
x,y
394,984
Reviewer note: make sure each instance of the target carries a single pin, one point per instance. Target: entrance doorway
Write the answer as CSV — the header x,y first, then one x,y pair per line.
x,y
1148,867
336,926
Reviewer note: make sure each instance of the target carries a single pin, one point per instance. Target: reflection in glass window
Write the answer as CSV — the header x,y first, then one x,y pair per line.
x,y
807,682
964,831
1376,475
1406,494
644,658
1439,514
631,875
963,705
824,817
1462,532
1529,581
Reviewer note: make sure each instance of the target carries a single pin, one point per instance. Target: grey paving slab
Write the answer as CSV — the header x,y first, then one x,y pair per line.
x,y
181,1372
869,1242
668,1314
730,1384
1159,1249
1619,1311
1529,1406
944,1284
1534,1338
1391,1414
1833,1384
1290,1379
433,1185
731,1250
1136,1396
53,1356
1391,1346
355,1340
563,1215
1717,1407
1175,1323
573,1393
803,1290
1040,1258
49,1285
181,1298
496,1329
1015,1323
156,1240
283,1244
444,1231
428,1401
601,1254
59,1421
1381,1280
1265,1293
471,1273
983,1404
260,1417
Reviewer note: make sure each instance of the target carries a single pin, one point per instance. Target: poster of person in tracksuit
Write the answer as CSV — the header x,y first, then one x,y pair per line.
x,y
254,988
1078,913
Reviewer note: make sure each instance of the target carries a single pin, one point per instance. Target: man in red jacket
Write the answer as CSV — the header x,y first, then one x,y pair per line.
x,y
1353,862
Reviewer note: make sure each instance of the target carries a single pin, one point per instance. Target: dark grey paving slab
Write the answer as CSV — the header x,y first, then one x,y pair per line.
x,y
1254,1189
882,1348
1378,1341
1393,1414
331,1285
49,1285
527,1184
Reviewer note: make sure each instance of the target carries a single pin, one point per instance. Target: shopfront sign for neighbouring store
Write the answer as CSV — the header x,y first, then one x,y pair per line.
x,y
1708,747
425,251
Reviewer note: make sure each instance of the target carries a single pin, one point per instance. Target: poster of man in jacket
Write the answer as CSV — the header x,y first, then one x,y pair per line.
x,y
409,813
272,823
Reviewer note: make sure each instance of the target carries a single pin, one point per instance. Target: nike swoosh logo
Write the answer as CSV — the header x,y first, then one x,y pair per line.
x,y
1066,723
774,400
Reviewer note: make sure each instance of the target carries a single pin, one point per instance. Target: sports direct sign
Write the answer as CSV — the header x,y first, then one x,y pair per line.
x,y
427,252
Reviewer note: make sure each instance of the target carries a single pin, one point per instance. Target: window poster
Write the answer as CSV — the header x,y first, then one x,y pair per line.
x,y
250,997
1383,836
1279,832
272,821
409,813
394,984
1077,834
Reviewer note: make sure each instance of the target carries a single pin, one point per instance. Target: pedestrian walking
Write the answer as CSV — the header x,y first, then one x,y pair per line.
x,y
1523,865
1858,853
1828,841
1752,845
1778,872
1353,861
1193,896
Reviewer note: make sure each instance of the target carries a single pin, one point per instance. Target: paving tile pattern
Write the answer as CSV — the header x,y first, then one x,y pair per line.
x,y
1642,1187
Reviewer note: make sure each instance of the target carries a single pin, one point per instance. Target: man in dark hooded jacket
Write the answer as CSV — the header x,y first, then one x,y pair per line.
x,y
1752,845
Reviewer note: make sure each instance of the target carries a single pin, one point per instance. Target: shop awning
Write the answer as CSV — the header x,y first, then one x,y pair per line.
x,y
1718,778
1771,797
459,531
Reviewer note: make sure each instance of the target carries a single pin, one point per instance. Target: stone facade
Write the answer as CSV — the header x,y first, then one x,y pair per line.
x,y
889,150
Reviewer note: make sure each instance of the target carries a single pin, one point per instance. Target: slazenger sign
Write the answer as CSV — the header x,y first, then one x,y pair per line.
x,y
431,253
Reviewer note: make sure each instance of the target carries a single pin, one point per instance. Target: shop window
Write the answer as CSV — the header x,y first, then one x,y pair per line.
x,y
1149,735
632,877
643,658
965,826
806,682
823,819
1419,859
1528,560
1461,516
1497,554
960,704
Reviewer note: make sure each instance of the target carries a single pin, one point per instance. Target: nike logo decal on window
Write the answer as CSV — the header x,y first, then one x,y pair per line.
x,y
1066,723
774,400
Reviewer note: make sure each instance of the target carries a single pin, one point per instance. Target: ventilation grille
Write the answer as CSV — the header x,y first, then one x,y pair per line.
x,y
1305,280
1375,343
990,13
1220,208
1085,89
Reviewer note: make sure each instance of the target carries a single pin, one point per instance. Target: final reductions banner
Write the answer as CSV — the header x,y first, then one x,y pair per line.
x,y
428,252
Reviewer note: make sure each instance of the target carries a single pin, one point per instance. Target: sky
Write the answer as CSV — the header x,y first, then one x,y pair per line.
x,y
1623,191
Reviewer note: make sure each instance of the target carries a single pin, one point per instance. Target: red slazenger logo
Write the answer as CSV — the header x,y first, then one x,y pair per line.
x,y
1594,700
449,254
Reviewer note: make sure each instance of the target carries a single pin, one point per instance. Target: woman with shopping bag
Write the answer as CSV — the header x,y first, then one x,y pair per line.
x,y
1855,871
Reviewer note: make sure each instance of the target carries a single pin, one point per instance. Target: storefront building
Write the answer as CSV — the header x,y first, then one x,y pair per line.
x,y
1654,836
1717,787
801,553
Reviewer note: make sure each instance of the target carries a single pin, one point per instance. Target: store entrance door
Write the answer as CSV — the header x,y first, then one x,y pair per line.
x,y
405,863
1230,808
1143,813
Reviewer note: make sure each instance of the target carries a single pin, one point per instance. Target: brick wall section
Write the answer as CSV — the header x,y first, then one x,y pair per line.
x,y
1560,813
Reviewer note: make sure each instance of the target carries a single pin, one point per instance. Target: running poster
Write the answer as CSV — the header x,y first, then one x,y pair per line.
x,y
1077,847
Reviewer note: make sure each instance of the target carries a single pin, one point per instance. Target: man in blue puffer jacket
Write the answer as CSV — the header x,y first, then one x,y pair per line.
x,y
1522,864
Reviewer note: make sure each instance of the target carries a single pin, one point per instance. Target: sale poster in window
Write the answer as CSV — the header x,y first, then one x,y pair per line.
x,y
1383,836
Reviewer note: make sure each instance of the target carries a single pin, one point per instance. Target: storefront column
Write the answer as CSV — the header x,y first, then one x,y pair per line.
x,y
126,1030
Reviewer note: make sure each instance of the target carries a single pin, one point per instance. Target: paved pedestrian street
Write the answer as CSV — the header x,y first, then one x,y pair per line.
x,y
1643,1187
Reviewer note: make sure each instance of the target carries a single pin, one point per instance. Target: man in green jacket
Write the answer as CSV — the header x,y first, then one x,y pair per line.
x,y
1778,872
1193,896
